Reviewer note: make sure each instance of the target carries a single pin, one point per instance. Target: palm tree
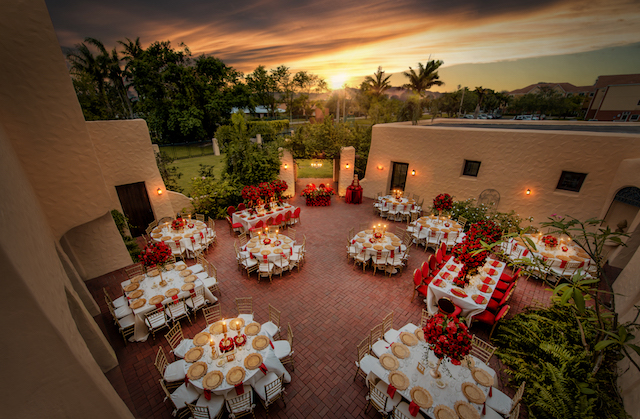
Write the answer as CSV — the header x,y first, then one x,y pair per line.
x,y
480,92
426,77
378,83
84,62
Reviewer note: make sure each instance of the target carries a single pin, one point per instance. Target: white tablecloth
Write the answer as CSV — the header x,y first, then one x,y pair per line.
x,y
452,376
441,225
469,307
165,233
366,236
249,220
151,287
256,245
269,359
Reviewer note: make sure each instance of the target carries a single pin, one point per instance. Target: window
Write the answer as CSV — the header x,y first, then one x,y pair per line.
x,y
571,181
634,118
471,168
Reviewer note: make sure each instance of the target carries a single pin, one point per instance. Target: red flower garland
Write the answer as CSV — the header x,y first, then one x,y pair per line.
x,y
486,231
550,241
447,337
443,202
264,191
155,254
320,196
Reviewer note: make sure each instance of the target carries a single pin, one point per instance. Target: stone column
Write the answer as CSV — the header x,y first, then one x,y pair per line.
x,y
287,172
216,147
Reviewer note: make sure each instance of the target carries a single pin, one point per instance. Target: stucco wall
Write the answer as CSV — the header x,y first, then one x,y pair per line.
x,y
179,202
623,97
36,96
125,153
47,369
347,157
512,162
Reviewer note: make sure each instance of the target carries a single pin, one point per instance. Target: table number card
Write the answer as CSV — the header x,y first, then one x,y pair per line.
x,y
420,368
231,357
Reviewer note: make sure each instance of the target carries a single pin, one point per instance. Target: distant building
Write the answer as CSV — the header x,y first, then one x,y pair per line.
x,y
565,89
615,98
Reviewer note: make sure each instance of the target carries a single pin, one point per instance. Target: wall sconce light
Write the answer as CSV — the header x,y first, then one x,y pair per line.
x,y
346,166
413,173
528,192
286,166
380,167
159,191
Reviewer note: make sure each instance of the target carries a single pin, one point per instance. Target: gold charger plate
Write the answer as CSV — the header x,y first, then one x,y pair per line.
x,y
473,393
138,303
444,412
255,250
153,273
235,375
188,236
286,246
475,296
137,278
362,234
367,245
172,292
131,287
197,370
482,377
360,240
252,361
212,380
170,267
465,410
216,328
564,258
156,299
389,247
399,380
400,350
421,397
487,291
576,258
193,354
187,287
389,362
252,329
190,278
408,339
265,252
186,273
136,294
377,247
181,267
277,250
251,245
260,342
177,238
419,334
368,231
236,324
165,238
201,339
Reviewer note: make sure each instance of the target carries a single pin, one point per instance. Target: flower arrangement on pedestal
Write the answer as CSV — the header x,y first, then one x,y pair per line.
x,y
155,254
549,241
226,344
447,337
178,224
318,197
443,202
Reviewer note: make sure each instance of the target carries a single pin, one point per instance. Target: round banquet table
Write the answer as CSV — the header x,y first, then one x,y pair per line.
x,y
555,257
440,225
269,359
389,245
278,244
164,232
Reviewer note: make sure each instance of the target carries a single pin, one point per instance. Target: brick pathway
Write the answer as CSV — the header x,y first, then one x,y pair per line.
x,y
330,304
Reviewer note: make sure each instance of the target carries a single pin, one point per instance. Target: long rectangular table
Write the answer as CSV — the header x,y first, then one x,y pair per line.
x,y
249,220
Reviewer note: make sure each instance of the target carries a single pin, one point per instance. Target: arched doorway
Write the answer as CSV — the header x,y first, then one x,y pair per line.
x,y
623,215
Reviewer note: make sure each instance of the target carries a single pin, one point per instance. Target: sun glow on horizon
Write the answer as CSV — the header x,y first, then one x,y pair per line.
x,y
336,81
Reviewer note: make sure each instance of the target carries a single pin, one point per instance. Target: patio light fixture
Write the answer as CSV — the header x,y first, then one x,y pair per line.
x,y
159,191
528,192
380,167
346,166
286,166
413,172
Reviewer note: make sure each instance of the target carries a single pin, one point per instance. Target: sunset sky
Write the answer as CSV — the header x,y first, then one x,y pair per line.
x,y
497,44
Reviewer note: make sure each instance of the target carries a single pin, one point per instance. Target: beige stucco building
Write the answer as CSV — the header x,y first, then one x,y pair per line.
x,y
60,176
585,170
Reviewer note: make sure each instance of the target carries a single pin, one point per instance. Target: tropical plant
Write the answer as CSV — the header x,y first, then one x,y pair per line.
x,y
377,84
170,174
122,223
426,77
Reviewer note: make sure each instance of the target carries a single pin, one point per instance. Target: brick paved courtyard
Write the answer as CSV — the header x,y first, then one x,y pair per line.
x,y
330,304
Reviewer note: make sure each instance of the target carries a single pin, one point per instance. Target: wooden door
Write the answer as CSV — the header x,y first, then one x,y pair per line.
x,y
399,176
136,206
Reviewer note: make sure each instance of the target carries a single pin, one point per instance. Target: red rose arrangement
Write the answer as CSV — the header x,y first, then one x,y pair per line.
x,y
155,254
177,224
240,340
443,202
483,231
263,192
565,248
447,337
550,241
266,241
226,344
317,197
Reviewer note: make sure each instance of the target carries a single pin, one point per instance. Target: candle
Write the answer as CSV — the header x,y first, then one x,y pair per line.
x,y
224,327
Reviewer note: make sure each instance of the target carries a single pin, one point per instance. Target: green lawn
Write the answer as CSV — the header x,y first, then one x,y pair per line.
x,y
188,151
305,169
190,167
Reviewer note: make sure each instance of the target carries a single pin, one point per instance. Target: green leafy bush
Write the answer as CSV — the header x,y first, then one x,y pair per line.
x,y
212,197
123,224
545,349
474,213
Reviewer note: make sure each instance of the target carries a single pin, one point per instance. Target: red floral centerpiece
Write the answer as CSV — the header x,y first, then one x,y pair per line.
x,y
226,345
240,340
447,337
443,202
550,241
465,252
565,248
155,254
266,241
318,197
178,224
264,192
